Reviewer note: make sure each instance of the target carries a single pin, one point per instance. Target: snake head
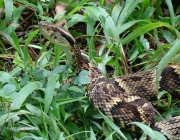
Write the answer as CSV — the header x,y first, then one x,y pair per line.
x,y
56,34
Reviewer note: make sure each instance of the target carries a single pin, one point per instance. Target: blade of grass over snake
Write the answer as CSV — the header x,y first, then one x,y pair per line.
x,y
113,126
164,61
142,30
151,133
158,53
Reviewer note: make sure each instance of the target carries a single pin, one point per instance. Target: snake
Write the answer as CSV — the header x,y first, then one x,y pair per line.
x,y
124,99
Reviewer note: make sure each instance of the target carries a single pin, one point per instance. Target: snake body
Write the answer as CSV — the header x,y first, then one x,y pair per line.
x,y
122,98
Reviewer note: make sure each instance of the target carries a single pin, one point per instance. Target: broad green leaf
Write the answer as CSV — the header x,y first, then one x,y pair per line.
x,y
6,77
24,93
8,10
24,80
49,91
83,73
75,88
10,115
84,80
9,88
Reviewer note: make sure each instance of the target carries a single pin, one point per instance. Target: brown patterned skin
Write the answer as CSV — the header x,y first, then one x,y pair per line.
x,y
144,84
107,96
169,127
120,98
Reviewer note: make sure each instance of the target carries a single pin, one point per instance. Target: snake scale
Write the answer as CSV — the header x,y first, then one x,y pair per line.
x,y
123,99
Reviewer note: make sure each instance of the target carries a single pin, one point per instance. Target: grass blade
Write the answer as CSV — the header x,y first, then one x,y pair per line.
x,y
164,61
142,30
113,126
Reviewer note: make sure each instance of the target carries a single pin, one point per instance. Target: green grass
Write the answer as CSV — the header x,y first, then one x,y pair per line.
x,y
42,94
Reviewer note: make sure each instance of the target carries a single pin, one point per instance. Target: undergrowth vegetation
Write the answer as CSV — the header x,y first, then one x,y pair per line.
x,y
41,98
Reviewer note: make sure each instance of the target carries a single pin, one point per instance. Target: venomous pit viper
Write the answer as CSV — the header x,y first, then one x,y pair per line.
x,y
121,98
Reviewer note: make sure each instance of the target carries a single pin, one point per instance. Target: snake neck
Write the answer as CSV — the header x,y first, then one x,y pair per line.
x,y
83,63
79,61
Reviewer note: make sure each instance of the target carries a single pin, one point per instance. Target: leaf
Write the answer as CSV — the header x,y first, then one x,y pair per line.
x,y
66,116
49,91
6,117
151,133
16,44
83,77
171,11
71,100
24,80
142,30
26,3
148,12
127,10
164,61
75,88
9,88
83,73
92,137
25,50
6,77
84,80
127,25
85,107
24,93
168,36
169,99
40,74
113,126
8,10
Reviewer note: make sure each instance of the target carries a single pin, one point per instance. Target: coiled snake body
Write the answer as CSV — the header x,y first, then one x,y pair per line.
x,y
120,98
